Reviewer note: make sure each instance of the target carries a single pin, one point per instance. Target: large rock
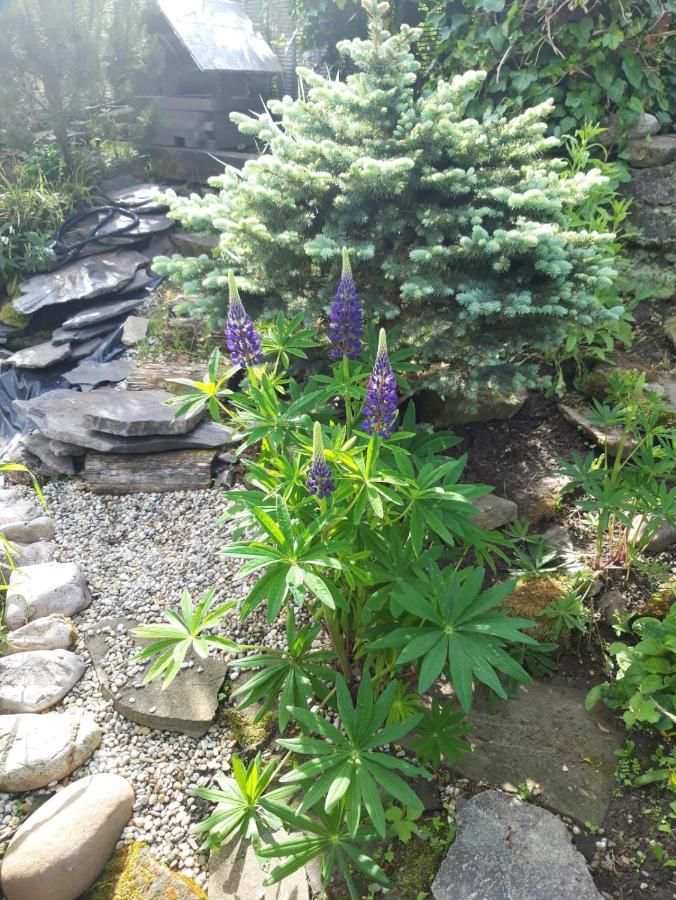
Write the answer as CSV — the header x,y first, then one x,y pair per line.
x,y
508,850
82,279
546,739
38,749
494,511
45,633
454,409
193,243
28,555
138,414
39,356
34,681
144,198
135,330
235,874
187,706
51,463
59,851
609,437
60,414
95,373
653,195
658,150
45,589
25,522
77,335
135,872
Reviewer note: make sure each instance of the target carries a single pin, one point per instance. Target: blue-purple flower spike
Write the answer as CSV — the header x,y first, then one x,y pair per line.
x,y
345,317
380,406
319,478
241,337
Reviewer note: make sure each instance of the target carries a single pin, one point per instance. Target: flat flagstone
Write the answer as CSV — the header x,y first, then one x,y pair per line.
x,y
39,446
545,737
494,511
95,373
137,414
509,850
103,312
145,198
43,590
38,749
39,356
59,415
77,335
187,706
82,279
34,681
235,874
605,437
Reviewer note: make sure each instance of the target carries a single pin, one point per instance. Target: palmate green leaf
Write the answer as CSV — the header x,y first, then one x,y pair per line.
x,y
171,643
346,765
325,835
439,734
458,631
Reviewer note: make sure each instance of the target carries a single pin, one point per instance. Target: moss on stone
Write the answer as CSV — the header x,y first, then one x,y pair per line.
x,y
249,735
9,316
135,874
531,597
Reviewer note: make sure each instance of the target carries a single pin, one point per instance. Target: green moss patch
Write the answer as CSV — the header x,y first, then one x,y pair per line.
x,y
135,874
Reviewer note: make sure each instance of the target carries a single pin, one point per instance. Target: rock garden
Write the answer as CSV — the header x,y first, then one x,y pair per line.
x,y
337,503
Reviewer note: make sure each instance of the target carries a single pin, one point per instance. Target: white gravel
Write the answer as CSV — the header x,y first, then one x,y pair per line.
x,y
138,552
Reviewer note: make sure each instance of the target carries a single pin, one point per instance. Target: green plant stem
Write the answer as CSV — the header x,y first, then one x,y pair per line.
x,y
346,397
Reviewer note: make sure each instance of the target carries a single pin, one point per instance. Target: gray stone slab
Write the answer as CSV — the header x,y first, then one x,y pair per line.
x,y
545,737
141,280
82,279
135,330
151,196
39,356
45,589
138,413
39,446
82,351
509,850
77,335
103,312
494,511
59,415
235,874
187,706
95,373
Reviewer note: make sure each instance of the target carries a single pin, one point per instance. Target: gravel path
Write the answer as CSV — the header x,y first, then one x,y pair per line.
x,y
138,553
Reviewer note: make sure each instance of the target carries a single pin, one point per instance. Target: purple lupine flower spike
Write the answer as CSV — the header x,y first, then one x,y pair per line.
x,y
345,316
380,405
241,337
319,477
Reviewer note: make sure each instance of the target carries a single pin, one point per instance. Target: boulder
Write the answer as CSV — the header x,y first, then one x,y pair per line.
x,y
28,554
25,522
494,511
82,279
187,706
95,373
455,409
653,196
134,331
647,153
609,438
59,851
45,589
136,872
45,633
137,414
509,850
38,749
33,681
235,874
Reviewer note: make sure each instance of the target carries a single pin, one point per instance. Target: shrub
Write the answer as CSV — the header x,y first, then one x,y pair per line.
x,y
594,60
357,523
459,226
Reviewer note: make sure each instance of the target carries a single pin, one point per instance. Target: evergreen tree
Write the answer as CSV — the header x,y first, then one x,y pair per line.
x,y
456,228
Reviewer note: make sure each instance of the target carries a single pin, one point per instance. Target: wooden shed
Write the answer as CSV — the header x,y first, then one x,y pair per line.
x,y
215,61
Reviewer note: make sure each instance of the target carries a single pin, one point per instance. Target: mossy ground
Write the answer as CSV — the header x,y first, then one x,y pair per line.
x,y
531,597
249,735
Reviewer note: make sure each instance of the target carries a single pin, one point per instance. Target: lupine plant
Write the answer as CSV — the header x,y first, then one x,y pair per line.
x,y
354,527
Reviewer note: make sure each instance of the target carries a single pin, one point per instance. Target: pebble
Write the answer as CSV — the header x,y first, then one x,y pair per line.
x,y
136,566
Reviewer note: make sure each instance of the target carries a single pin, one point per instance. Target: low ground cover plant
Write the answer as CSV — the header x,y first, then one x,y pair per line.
x,y
357,531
